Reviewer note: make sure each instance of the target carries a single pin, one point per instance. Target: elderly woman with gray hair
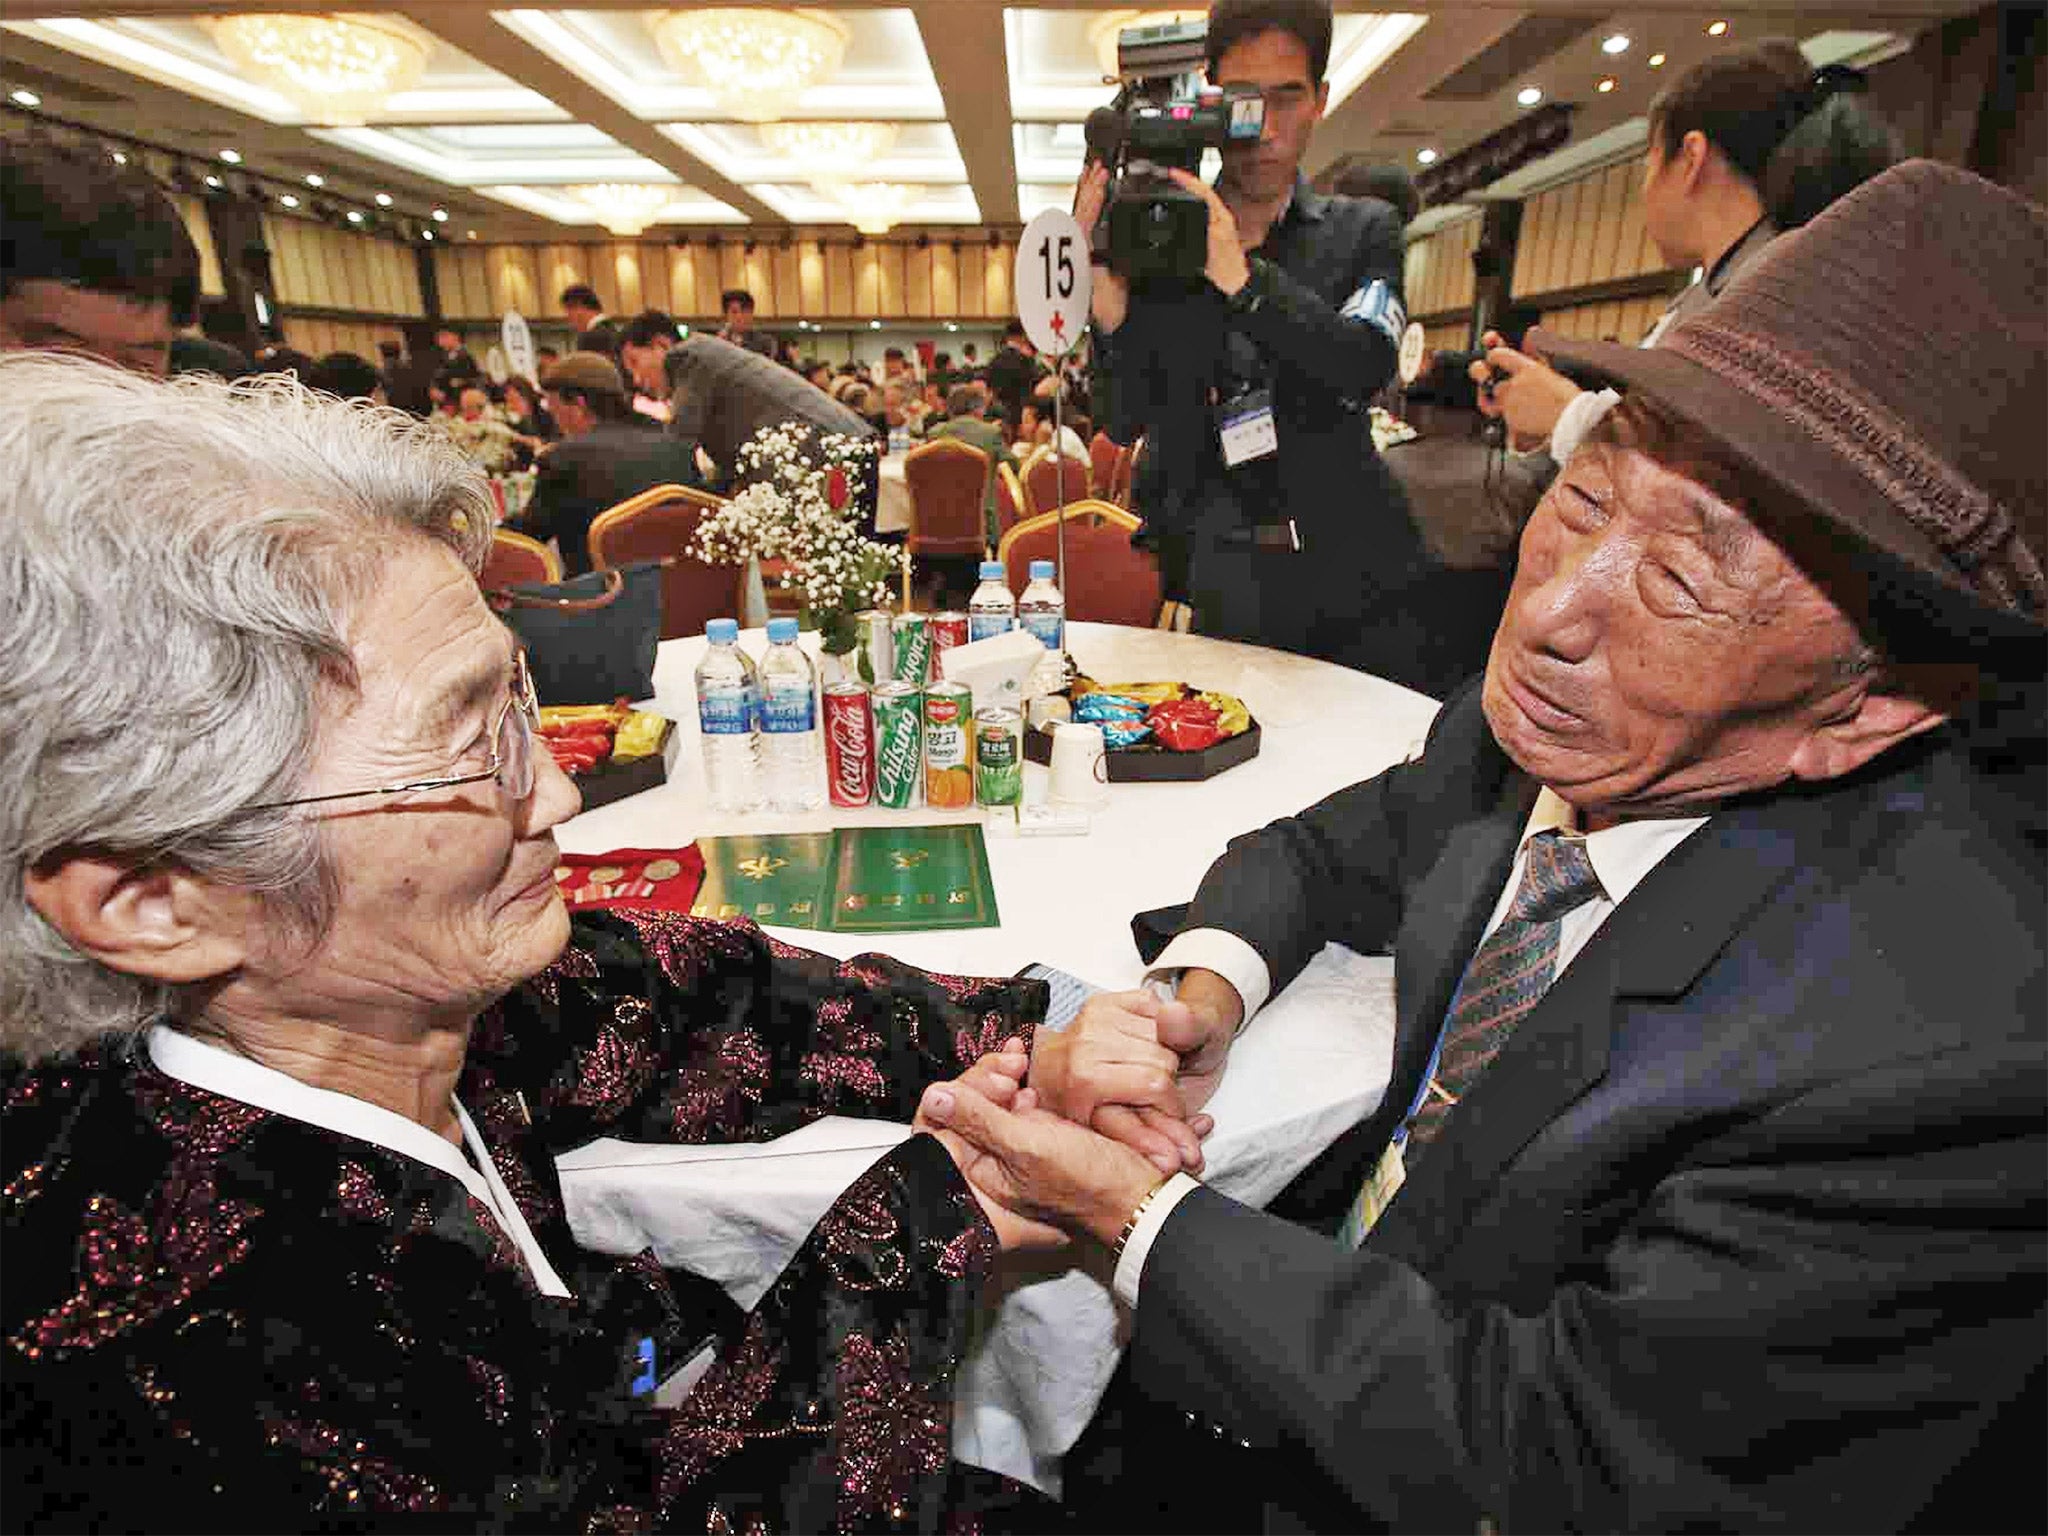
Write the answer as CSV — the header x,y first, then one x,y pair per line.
x,y
298,1021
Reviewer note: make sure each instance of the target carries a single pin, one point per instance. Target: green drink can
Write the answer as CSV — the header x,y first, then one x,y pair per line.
x,y
899,745
998,756
913,643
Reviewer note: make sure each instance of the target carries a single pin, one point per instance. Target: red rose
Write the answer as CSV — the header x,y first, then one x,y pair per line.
x,y
836,489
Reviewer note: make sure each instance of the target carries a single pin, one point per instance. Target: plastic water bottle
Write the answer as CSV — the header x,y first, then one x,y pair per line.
x,y
727,703
991,611
792,747
1041,609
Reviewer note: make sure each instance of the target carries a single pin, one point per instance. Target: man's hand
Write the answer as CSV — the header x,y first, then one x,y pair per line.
x,y
1115,1067
1228,267
997,1078
1039,1164
1531,397
1109,295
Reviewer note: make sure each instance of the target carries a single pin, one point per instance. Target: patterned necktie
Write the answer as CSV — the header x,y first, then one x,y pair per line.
x,y
1509,972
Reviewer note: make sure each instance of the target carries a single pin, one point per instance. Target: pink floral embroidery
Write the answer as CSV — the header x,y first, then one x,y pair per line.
x,y
858,1235
714,1102
355,1479
717,1418
356,1192
890,1431
618,1065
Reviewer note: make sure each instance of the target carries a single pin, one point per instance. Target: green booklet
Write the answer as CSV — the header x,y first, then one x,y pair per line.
x,y
851,879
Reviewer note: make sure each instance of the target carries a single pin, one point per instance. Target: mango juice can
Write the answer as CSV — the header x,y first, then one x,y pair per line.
x,y
898,709
998,756
948,749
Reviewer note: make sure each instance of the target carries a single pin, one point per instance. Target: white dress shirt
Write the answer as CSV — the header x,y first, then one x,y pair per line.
x,y
193,1061
1621,856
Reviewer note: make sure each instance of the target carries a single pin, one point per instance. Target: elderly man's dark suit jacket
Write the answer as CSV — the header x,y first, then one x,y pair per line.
x,y
1742,1229
580,478
723,395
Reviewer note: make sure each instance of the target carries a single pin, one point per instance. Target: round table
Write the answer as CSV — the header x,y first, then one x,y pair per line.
x,y
1313,1063
892,512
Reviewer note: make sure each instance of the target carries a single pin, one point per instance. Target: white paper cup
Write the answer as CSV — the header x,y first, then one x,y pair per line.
x,y
1080,773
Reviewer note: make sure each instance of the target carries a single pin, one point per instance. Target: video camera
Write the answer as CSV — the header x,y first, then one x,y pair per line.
x,y
1151,232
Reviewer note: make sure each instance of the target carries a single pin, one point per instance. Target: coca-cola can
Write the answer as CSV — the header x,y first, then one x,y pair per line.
x,y
849,744
947,630
874,645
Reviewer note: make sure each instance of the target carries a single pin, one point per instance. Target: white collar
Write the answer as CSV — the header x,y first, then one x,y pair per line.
x,y
191,1060
1622,854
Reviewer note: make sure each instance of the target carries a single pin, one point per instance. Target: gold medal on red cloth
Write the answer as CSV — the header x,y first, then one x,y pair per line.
x,y
664,878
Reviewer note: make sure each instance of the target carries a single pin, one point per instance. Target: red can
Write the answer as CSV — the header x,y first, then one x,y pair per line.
x,y
849,744
948,630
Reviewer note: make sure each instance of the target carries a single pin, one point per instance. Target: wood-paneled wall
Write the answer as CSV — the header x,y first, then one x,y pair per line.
x,y
808,279
192,209
1449,337
1589,230
324,268
317,338
1627,321
1436,273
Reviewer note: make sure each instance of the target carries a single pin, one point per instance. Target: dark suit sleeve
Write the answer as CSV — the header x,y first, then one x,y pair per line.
x,y
1799,1328
554,489
1351,350
1337,871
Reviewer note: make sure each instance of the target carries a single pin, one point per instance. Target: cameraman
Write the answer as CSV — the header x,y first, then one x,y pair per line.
x,y
1306,545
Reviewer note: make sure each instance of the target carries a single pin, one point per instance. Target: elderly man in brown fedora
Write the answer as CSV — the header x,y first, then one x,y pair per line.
x,y
1708,1188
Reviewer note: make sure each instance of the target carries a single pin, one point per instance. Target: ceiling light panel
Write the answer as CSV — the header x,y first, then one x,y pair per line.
x,y
185,55
883,75
808,205
746,152
686,205
477,156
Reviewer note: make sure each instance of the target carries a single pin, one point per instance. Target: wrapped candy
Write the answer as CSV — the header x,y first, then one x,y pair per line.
x,y
1103,708
1118,734
1185,725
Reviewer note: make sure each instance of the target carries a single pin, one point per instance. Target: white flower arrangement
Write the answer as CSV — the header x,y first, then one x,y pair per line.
x,y
797,507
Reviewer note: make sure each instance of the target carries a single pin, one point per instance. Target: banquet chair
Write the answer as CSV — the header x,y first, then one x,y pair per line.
x,y
660,524
1046,474
1102,456
1109,579
516,559
948,482
1009,499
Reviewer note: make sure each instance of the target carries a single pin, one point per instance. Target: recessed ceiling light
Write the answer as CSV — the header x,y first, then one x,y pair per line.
x,y
119,158
289,201
1618,43
1605,85
355,216
1425,157
440,215
1529,95
316,181
1656,61
472,234
426,234
383,199
874,325
215,181
232,156
1716,28
25,98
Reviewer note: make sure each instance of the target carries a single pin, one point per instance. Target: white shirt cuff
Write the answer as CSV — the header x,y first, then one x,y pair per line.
x,y
1132,1260
1579,418
1212,949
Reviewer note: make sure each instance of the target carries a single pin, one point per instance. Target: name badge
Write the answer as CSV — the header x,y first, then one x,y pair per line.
x,y
1374,1196
1247,428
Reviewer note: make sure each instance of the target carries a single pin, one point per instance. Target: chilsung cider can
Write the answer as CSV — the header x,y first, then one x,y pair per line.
x,y
913,641
998,756
898,710
874,645
948,746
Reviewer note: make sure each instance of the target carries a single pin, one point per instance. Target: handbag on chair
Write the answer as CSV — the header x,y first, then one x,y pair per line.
x,y
590,639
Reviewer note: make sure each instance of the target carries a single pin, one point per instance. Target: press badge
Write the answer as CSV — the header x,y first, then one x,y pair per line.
x,y
1245,424
1374,1196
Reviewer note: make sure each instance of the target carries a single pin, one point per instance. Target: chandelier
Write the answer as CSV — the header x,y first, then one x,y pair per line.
x,y
758,61
334,69
873,207
1103,30
829,151
626,208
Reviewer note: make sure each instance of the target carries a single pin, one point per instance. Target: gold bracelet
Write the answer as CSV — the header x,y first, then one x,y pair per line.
x,y
1137,1215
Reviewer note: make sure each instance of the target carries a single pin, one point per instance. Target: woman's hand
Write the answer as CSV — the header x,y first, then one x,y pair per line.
x,y
996,1078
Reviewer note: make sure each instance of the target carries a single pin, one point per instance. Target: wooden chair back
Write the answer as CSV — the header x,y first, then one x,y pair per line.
x,y
1009,499
1109,580
516,559
948,482
659,524
1102,457
1046,474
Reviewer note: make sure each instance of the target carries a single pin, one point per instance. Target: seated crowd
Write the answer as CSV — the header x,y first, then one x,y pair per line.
x,y
1710,1184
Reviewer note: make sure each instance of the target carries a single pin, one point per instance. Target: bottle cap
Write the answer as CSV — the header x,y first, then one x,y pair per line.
x,y
781,631
722,631
991,570
1041,570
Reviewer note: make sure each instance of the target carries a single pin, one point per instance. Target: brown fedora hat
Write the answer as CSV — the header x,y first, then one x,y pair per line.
x,y
1886,367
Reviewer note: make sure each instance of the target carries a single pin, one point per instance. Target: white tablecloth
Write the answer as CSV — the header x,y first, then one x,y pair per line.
x,y
892,513
1314,1062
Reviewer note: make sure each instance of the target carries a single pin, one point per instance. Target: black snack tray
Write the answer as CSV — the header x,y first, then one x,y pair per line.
x,y
1149,763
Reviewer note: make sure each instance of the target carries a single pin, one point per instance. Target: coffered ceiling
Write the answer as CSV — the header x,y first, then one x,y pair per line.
x,y
515,112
